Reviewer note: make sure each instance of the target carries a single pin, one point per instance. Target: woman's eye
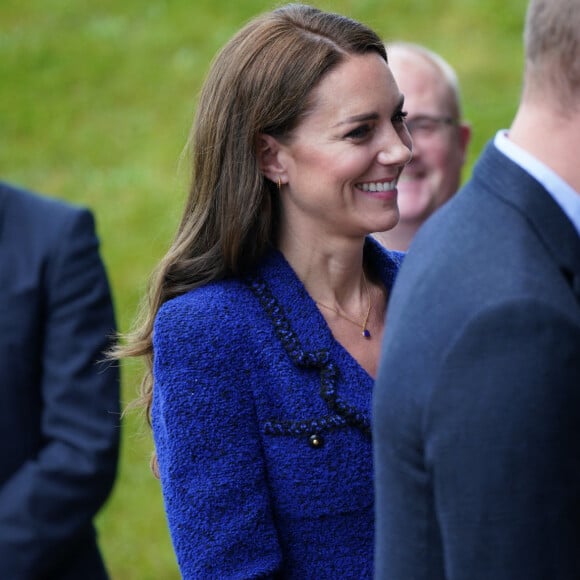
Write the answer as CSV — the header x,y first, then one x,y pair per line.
x,y
360,132
400,117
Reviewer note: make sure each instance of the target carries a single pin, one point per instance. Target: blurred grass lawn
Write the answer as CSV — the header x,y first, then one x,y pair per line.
x,y
96,101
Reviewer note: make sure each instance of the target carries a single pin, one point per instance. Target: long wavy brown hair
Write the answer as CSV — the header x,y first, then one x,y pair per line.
x,y
260,82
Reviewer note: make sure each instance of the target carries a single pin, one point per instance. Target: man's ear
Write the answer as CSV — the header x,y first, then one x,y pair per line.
x,y
464,139
269,162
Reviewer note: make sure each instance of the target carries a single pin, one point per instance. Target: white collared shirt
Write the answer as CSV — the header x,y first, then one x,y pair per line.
x,y
564,195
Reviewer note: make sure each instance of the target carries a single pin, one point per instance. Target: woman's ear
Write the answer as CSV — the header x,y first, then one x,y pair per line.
x,y
268,152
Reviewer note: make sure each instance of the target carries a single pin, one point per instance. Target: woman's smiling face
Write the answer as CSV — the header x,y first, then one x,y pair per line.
x,y
342,162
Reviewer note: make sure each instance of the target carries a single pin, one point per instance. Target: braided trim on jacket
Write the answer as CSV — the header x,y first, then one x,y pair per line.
x,y
320,360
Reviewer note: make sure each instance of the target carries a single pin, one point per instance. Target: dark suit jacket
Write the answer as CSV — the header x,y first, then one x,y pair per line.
x,y
59,410
477,400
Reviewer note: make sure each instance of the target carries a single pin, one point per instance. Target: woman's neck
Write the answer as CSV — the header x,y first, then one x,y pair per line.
x,y
331,270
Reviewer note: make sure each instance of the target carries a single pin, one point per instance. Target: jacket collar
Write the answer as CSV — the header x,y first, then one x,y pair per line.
x,y
298,305
508,181
344,385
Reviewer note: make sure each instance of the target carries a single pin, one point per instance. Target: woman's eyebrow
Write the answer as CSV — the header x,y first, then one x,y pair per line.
x,y
370,116
358,119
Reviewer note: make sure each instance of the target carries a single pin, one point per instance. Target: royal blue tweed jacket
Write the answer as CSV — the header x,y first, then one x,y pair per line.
x,y
261,425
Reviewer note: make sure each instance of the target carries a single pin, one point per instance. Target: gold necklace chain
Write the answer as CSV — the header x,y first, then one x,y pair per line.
x,y
365,333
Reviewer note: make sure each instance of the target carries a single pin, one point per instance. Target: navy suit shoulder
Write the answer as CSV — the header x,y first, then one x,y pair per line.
x,y
487,301
501,237
59,431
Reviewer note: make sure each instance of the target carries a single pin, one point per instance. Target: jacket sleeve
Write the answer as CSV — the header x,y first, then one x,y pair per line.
x,y
209,447
502,445
53,497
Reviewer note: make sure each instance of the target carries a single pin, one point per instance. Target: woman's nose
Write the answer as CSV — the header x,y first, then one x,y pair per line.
x,y
397,150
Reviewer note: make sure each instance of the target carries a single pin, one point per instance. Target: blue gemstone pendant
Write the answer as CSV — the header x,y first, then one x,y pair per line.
x,y
366,333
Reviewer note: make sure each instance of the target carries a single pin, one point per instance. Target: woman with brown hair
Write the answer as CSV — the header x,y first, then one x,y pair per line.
x,y
266,315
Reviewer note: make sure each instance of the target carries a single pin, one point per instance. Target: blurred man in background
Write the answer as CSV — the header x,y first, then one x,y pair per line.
x,y
440,138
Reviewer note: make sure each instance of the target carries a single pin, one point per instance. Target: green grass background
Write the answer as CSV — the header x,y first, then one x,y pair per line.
x,y
96,101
